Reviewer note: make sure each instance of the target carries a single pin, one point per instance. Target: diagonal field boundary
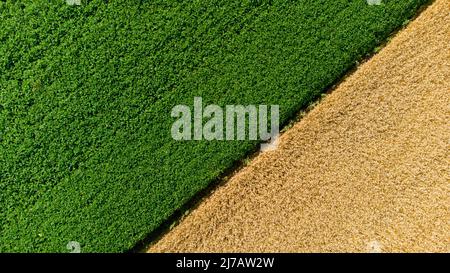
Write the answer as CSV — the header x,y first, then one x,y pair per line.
x,y
87,161
367,170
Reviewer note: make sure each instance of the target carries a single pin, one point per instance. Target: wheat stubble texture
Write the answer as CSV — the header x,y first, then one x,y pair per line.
x,y
366,170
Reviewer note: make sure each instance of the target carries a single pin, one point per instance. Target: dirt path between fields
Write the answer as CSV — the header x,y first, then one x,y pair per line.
x,y
367,170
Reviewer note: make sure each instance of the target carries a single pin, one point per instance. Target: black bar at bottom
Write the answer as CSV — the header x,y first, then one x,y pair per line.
x,y
218,262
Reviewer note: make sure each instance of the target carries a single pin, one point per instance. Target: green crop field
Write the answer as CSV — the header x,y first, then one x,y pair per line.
x,y
86,94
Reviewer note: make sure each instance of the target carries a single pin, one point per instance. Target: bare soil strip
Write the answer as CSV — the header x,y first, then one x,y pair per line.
x,y
366,171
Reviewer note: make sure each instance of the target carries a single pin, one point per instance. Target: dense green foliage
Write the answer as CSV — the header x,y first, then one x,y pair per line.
x,y
86,93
